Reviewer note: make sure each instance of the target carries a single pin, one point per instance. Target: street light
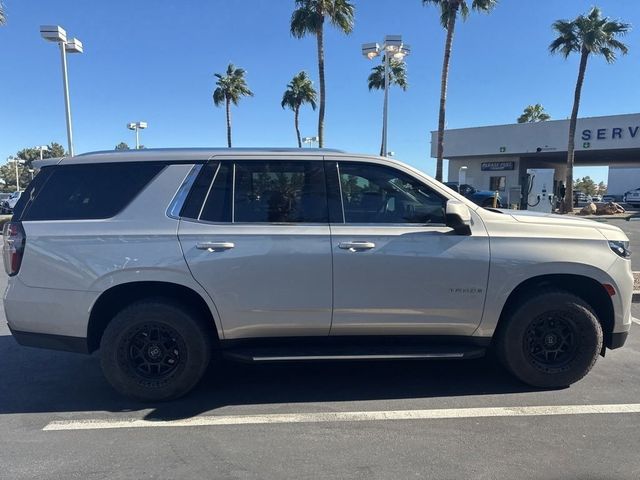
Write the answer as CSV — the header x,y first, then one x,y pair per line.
x,y
137,126
392,47
17,161
57,34
310,140
42,148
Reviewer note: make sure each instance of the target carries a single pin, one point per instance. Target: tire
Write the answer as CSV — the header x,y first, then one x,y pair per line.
x,y
155,350
550,340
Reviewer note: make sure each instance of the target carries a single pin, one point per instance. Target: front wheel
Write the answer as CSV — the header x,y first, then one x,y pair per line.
x,y
550,340
155,350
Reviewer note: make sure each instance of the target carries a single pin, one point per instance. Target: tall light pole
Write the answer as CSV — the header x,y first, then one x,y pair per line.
x,y
17,161
57,34
137,126
42,148
392,47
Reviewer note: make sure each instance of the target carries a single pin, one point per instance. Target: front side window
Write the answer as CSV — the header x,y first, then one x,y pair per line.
x,y
280,192
379,194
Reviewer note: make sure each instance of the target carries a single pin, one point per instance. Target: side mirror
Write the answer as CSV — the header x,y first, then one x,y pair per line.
x,y
458,217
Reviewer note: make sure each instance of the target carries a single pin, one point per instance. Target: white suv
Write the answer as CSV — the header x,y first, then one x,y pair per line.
x,y
167,259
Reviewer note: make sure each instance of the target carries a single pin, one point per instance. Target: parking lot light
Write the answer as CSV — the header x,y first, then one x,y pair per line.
x,y
137,126
57,34
392,47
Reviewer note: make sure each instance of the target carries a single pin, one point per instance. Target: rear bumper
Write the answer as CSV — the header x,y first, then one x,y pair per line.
x,y
51,342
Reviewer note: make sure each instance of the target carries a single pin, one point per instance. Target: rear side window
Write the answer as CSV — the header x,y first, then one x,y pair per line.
x,y
91,191
280,192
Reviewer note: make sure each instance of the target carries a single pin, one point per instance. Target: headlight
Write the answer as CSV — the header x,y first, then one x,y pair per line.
x,y
620,248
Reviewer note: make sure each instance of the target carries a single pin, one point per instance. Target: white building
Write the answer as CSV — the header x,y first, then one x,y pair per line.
x,y
498,157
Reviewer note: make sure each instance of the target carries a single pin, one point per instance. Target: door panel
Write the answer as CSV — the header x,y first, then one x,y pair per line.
x,y
273,281
414,281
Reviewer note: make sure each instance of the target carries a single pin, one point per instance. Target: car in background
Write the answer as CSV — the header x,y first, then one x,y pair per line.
x,y
597,198
7,206
484,198
632,197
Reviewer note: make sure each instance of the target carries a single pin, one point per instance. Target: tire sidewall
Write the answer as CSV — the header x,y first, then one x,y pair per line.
x,y
588,337
194,343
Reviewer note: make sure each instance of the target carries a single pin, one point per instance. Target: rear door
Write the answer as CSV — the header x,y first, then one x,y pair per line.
x,y
255,235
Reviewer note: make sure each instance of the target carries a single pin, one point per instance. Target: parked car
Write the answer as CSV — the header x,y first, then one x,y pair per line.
x,y
7,206
275,256
596,198
632,197
611,198
484,198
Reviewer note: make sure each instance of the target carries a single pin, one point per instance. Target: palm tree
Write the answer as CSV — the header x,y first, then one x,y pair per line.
x,y
397,76
449,10
231,87
3,16
534,113
308,18
587,34
299,91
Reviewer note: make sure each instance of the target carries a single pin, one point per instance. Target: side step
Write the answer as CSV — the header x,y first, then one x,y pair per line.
x,y
341,353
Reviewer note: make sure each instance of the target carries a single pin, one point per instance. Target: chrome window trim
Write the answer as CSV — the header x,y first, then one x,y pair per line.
x,y
173,210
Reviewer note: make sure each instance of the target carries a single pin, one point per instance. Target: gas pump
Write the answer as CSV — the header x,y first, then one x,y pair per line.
x,y
538,194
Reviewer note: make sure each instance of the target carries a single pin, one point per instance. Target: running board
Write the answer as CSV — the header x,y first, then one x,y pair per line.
x,y
268,355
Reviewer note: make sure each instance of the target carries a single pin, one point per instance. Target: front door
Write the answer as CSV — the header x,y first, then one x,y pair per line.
x,y
398,269
255,235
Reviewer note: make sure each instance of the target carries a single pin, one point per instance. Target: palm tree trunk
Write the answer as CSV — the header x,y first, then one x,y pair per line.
x,y
443,93
295,121
568,199
228,123
320,41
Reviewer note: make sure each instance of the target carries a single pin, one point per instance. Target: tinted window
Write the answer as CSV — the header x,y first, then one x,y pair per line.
x,y
217,206
31,192
193,203
77,192
379,194
280,191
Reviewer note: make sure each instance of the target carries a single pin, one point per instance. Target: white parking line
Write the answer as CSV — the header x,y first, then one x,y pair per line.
x,y
329,417
635,320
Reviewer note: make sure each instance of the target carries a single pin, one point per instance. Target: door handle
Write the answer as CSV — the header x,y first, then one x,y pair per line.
x,y
215,246
356,246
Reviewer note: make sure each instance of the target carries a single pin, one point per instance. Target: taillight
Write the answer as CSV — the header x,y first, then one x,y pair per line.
x,y
13,248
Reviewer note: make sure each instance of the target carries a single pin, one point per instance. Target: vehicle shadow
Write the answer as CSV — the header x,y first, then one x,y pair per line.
x,y
34,380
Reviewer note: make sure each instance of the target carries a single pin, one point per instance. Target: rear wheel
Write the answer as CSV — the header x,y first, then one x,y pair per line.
x,y
155,350
550,340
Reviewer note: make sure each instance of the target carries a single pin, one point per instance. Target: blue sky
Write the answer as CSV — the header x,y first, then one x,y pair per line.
x,y
155,60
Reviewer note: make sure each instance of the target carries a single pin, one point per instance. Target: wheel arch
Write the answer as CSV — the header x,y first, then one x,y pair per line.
x,y
111,301
586,288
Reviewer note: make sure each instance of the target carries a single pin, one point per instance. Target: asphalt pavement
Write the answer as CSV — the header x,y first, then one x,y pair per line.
x,y
378,420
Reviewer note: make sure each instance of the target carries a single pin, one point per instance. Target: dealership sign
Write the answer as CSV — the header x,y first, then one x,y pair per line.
x,y
497,166
616,133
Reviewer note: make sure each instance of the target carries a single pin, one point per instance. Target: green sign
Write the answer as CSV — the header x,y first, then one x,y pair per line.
x,y
586,145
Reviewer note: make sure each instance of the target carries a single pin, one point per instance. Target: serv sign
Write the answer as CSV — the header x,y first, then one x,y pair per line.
x,y
497,166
